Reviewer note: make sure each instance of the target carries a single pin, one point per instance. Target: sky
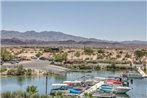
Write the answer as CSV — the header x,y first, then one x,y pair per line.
x,y
117,21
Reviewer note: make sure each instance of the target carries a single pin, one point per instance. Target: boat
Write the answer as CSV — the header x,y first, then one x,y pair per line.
x,y
100,78
68,82
121,89
74,91
114,88
106,88
111,81
58,88
133,75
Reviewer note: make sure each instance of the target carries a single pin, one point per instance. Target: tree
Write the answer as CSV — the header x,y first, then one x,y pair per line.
x,y
38,54
60,57
113,64
48,49
118,56
100,51
77,54
32,89
20,70
58,94
88,95
6,55
139,54
127,55
88,50
28,72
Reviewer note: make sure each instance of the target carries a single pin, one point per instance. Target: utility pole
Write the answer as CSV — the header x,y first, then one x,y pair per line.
x,y
46,84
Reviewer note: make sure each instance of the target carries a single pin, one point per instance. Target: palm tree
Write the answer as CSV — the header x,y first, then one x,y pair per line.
x,y
88,95
32,89
58,94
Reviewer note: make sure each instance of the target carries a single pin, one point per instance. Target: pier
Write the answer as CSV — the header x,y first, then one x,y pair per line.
x,y
92,89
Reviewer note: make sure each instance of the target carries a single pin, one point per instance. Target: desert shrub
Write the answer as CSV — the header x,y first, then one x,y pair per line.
x,y
88,50
3,69
60,57
101,51
77,54
20,70
28,71
140,53
38,54
11,71
6,55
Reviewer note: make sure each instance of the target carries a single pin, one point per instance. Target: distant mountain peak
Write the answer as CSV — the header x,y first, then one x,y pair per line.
x,y
42,36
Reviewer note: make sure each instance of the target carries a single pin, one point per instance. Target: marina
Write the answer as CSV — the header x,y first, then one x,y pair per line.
x,y
71,49
20,83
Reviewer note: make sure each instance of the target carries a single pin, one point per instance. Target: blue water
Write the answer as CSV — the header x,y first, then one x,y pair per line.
x,y
139,86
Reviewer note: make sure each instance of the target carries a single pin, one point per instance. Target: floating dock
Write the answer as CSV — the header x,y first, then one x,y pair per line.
x,y
92,89
104,95
141,72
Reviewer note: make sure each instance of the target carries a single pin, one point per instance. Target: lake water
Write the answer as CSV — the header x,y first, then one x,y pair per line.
x,y
139,86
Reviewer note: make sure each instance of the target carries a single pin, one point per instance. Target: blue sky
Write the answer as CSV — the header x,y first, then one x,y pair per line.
x,y
115,21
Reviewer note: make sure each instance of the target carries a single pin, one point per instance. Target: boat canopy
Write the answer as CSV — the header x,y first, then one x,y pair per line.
x,y
68,82
77,81
59,84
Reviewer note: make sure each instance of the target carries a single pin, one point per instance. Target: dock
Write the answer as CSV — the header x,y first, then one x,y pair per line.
x,y
143,74
92,89
104,95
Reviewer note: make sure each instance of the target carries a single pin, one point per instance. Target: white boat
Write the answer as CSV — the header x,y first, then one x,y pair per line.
x,y
121,89
100,78
133,75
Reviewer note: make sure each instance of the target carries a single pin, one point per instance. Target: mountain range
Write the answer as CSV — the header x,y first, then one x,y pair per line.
x,y
53,37
43,36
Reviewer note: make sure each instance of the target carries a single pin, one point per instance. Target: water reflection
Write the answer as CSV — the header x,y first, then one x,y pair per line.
x,y
122,96
20,80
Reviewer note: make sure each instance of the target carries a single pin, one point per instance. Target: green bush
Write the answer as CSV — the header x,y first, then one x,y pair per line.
x,y
11,71
60,57
6,55
20,70
20,94
28,72
101,51
32,89
88,50
3,69
38,54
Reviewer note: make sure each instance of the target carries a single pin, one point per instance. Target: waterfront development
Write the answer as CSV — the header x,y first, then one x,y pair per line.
x,y
72,72
71,49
